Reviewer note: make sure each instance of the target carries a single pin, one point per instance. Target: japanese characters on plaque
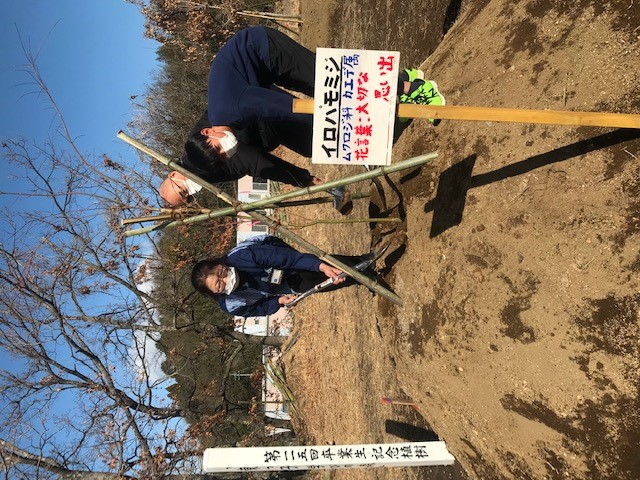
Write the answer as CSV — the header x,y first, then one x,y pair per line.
x,y
354,107
326,456
366,455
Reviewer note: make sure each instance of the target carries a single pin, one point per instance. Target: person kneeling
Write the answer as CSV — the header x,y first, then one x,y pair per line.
x,y
263,274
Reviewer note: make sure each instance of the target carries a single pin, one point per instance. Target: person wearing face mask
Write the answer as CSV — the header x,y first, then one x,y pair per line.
x,y
221,155
243,100
263,274
248,116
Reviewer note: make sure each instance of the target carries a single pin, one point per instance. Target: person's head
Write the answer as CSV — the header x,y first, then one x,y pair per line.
x,y
204,152
177,189
211,145
209,277
220,139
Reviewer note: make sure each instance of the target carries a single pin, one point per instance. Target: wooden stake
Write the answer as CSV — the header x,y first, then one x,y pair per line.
x,y
488,114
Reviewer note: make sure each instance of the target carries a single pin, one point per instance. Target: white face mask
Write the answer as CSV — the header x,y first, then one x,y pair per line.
x,y
232,281
191,186
229,143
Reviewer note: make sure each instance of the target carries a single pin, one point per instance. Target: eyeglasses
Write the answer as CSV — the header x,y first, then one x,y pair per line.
x,y
216,279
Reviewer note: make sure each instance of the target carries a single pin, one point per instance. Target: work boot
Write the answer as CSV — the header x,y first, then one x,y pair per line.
x,y
410,74
424,92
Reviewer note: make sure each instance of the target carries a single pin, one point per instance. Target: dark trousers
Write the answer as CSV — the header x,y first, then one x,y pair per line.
x,y
293,67
302,281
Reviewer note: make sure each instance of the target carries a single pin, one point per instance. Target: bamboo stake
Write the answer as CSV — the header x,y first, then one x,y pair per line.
x,y
272,16
317,200
248,207
275,226
250,13
186,221
166,214
488,114
345,220
157,218
391,401
173,212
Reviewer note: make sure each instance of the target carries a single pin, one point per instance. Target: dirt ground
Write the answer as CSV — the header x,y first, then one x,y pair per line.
x,y
519,336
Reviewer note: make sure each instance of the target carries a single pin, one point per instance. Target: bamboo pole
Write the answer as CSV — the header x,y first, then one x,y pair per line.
x,y
182,212
345,220
248,207
391,401
316,200
186,221
169,213
272,16
157,218
488,114
275,226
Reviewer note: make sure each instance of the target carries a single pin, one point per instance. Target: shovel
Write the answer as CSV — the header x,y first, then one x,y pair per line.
x,y
360,266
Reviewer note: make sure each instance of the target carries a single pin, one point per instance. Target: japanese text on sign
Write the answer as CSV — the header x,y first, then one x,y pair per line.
x,y
354,109
337,454
326,456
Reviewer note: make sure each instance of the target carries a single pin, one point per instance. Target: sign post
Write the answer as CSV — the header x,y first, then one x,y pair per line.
x,y
250,459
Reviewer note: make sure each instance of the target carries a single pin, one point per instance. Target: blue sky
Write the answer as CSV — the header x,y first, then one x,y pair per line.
x,y
92,55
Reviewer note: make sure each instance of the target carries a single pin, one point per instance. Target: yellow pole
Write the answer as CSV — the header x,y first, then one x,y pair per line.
x,y
488,114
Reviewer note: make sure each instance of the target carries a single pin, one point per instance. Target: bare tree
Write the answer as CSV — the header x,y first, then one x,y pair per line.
x,y
193,26
80,393
80,398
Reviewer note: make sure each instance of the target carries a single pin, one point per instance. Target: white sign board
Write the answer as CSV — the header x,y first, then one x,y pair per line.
x,y
248,459
354,106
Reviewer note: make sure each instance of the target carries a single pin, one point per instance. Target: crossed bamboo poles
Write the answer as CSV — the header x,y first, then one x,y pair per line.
x,y
269,202
176,213
250,208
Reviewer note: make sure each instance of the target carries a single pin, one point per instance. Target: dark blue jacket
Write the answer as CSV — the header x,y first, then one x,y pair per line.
x,y
254,261
241,82
252,158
